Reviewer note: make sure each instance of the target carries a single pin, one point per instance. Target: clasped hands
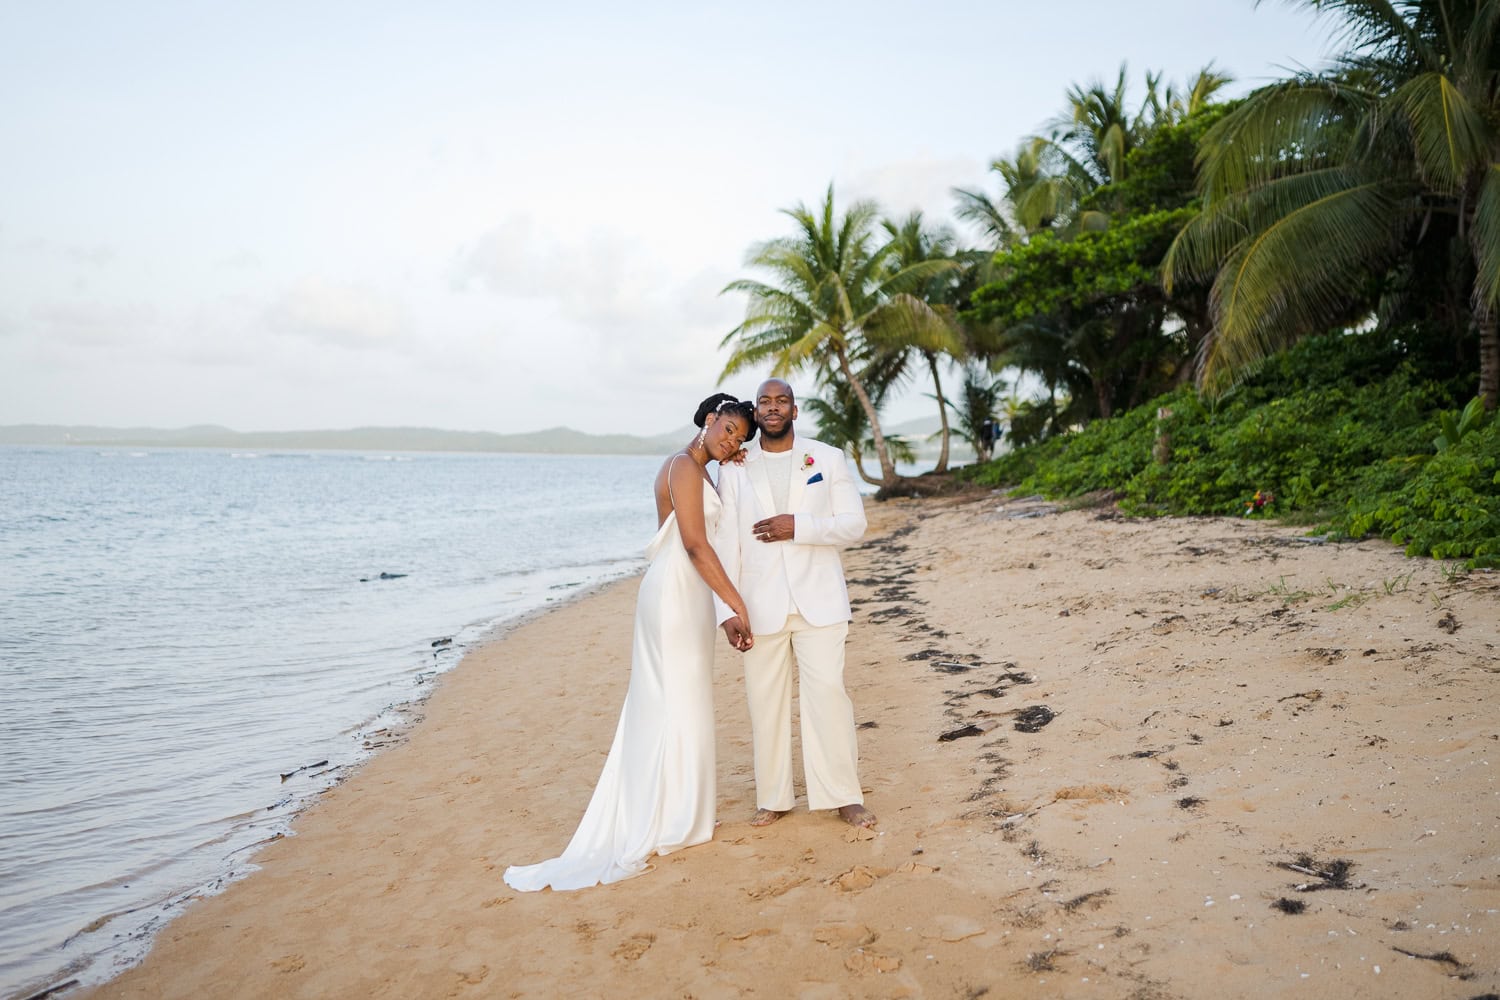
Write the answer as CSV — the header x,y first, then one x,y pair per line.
x,y
738,633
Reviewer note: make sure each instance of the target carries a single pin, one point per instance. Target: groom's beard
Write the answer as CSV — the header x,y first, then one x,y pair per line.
x,y
783,434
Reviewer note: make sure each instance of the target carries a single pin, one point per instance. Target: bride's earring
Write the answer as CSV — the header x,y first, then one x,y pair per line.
x,y
703,437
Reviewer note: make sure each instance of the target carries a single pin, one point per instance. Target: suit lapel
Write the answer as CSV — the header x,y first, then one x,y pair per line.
x,y
799,478
756,470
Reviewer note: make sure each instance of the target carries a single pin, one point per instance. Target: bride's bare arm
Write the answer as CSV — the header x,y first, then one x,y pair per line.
x,y
687,496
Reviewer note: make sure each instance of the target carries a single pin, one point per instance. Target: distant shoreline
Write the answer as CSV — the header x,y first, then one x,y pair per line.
x,y
553,441
557,440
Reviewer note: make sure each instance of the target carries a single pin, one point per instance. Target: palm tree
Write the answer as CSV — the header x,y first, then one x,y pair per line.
x,y
829,281
1087,146
841,422
927,324
978,398
1041,186
1101,129
1316,186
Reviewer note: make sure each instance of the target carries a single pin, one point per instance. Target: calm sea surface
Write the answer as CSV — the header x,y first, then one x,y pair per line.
x,y
180,628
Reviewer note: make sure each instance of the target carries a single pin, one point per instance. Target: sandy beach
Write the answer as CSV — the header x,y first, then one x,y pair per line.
x,y
1112,758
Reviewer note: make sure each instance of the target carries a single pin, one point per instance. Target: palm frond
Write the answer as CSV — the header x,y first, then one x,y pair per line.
x,y
981,210
1281,129
1299,274
1479,39
906,321
1214,233
1452,137
1374,25
1485,238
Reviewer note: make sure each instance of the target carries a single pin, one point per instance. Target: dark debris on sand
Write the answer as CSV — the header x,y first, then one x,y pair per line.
x,y
1033,718
1329,875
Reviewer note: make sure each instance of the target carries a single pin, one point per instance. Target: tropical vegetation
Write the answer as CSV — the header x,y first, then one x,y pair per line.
x,y
1186,301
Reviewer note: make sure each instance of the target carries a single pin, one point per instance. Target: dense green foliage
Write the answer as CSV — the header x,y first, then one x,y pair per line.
x,y
1338,430
1448,507
1285,305
1319,192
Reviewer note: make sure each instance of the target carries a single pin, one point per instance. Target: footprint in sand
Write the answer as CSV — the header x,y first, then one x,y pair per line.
x,y
857,878
1090,795
776,887
951,927
289,963
633,947
844,935
470,977
860,960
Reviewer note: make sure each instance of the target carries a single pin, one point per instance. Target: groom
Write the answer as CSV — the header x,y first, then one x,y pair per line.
x,y
787,509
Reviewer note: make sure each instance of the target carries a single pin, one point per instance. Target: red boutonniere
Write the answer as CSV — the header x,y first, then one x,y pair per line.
x,y
807,462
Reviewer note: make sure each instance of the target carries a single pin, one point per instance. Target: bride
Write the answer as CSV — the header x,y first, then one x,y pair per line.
x,y
656,793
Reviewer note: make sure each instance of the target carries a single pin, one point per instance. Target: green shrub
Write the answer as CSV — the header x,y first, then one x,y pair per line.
x,y
1447,506
1339,429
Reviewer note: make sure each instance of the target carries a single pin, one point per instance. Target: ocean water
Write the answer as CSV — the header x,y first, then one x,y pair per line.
x,y
179,629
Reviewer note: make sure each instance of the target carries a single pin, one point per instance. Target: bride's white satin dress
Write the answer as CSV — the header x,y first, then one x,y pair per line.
x,y
656,793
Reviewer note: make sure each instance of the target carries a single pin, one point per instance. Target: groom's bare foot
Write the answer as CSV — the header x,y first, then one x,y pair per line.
x,y
765,817
857,815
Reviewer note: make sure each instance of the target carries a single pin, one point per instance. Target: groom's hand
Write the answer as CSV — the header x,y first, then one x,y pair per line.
x,y
781,528
738,633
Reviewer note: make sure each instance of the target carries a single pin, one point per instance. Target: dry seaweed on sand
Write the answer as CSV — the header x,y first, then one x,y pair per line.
x,y
972,729
1095,898
1442,957
1032,718
1330,875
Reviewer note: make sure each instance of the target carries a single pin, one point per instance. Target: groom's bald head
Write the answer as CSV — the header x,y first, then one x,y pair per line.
x,y
775,409
777,387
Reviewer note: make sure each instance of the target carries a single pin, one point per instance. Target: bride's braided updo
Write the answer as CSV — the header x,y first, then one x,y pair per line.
x,y
722,403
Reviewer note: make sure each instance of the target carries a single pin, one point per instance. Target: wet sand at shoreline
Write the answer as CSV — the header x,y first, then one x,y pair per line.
x,y
1111,758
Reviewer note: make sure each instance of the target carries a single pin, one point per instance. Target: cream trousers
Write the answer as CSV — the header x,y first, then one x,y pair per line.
x,y
830,756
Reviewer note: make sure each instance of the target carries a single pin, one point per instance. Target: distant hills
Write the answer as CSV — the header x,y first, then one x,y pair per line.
x,y
556,440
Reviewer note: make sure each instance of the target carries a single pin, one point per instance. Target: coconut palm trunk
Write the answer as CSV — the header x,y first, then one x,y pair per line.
x,y
1489,356
882,452
937,386
1489,334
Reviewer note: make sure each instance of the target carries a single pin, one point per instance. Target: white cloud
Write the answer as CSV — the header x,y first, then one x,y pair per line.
x,y
91,324
240,260
924,183
93,256
605,279
346,315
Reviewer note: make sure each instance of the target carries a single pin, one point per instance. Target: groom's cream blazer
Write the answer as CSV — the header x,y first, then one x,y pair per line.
x,y
803,575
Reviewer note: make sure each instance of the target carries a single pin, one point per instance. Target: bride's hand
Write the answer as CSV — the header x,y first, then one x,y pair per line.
x,y
738,458
738,633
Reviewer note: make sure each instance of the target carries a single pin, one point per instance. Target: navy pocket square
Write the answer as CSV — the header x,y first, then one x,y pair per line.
x,y
815,479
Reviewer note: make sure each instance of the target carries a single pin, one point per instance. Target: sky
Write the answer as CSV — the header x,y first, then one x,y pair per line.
x,y
491,215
